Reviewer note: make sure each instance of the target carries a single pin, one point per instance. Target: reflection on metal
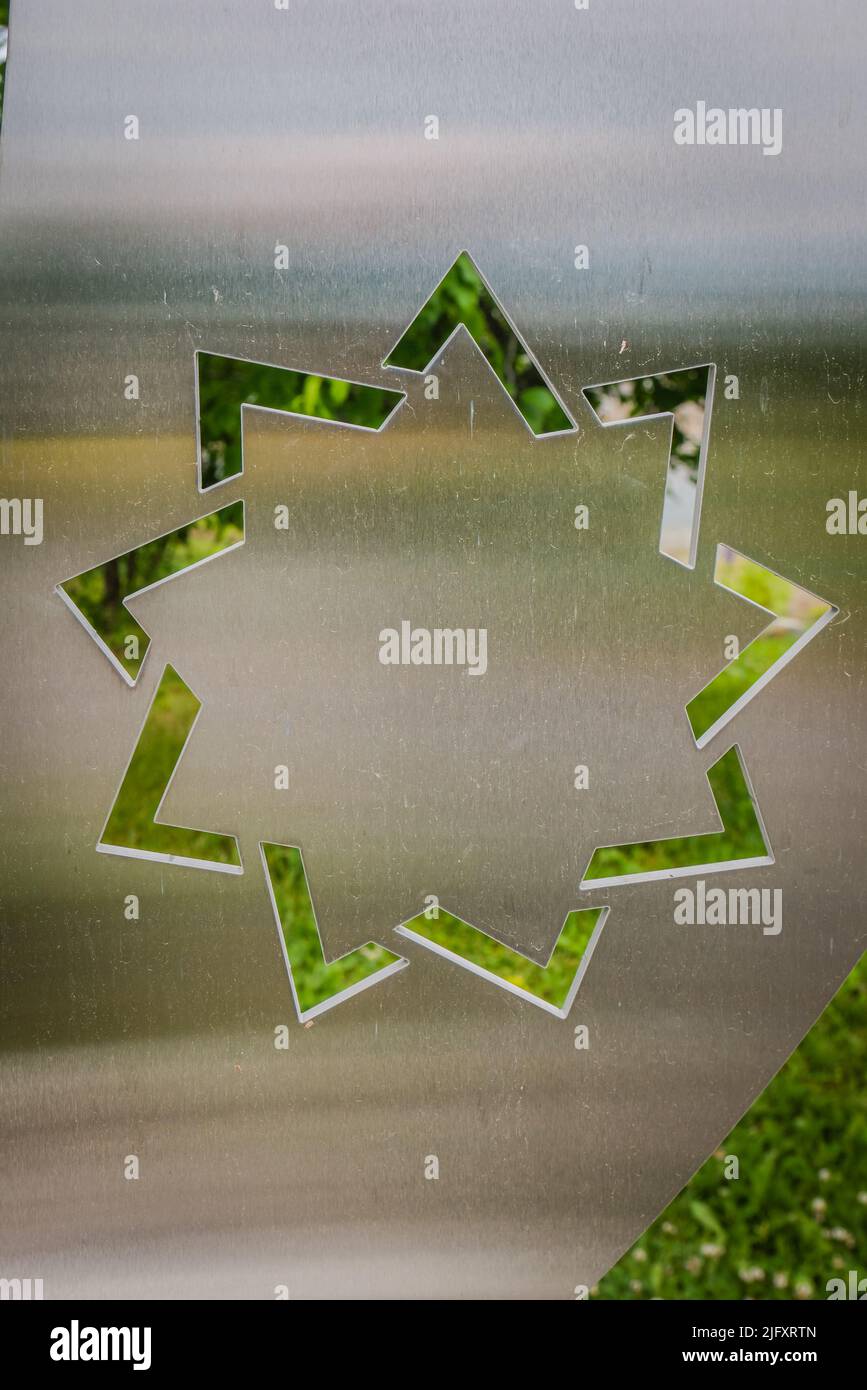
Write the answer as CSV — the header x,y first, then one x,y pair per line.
x,y
741,843
228,386
98,596
225,386
552,986
133,827
685,397
121,256
464,299
316,984
798,616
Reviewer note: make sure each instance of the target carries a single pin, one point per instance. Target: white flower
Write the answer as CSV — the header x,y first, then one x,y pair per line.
x,y
842,1235
689,418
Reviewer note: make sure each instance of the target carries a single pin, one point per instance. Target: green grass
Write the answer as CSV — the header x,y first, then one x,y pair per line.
x,y
797,1214
314,979
741,837
551,982
797,612
131,823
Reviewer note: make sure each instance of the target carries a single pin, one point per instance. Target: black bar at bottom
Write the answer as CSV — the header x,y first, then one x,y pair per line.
x,y
230,1339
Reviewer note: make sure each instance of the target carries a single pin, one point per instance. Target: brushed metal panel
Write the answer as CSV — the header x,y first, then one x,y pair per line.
x,y
304,1167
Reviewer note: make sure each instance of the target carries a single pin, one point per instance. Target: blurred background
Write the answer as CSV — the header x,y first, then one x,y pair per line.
x,y
798,1211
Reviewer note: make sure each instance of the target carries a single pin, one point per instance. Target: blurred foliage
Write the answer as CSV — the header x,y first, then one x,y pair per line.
x,y
99,592
798,612
131,822
736,679
683,394
464,298
551,982
756,583
796,1216
741,838
227,383
314,980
